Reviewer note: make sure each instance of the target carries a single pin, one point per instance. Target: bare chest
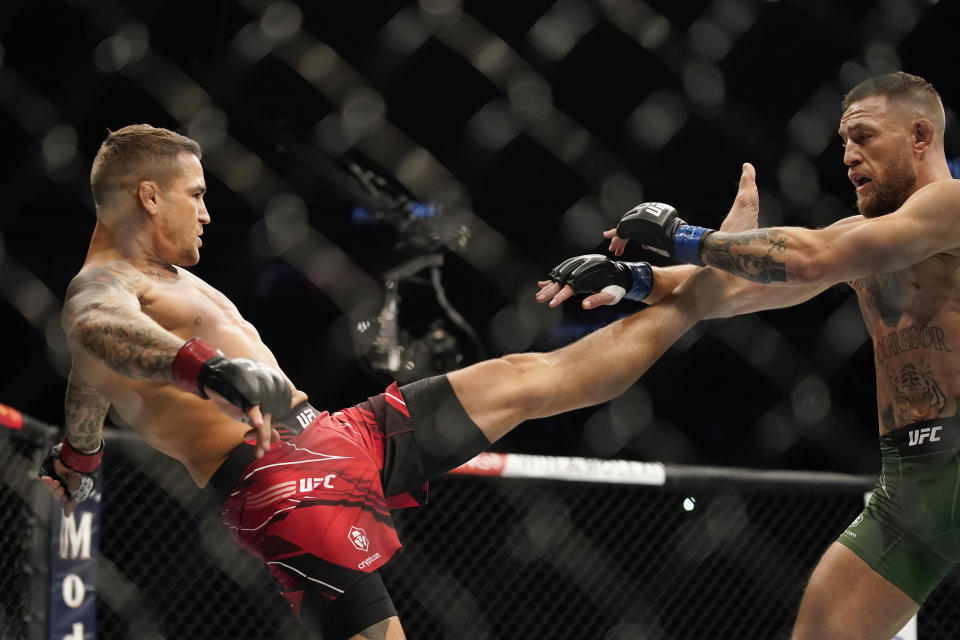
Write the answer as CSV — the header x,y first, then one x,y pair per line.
x,y
926,293
913,317
187,308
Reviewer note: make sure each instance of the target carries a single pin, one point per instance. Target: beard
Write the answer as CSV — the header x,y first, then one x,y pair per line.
x,y
888,196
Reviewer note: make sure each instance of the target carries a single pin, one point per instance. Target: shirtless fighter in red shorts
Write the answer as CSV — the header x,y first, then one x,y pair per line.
x,y
176,360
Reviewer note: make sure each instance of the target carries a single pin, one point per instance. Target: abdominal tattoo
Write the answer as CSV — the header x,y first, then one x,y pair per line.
x,y
910,338
759,265
915,393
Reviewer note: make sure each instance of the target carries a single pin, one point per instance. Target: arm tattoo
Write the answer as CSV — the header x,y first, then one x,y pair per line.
x,y
755,262
376,631
85,410
102,315
123,343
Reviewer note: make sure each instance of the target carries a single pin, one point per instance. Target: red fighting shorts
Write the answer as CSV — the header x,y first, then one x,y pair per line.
x,y
313,508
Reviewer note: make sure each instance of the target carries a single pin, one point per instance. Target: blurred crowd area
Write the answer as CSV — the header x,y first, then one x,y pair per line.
x,y
388,180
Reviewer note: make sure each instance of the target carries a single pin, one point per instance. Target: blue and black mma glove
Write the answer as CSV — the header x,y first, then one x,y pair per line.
x,y
595,273
658,227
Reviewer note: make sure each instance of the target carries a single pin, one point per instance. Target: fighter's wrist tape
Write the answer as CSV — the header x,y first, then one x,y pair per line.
x,y
190,359
79,461
687,242
642,276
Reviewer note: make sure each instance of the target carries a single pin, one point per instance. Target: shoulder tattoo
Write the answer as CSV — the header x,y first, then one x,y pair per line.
x,y
113,275
102,314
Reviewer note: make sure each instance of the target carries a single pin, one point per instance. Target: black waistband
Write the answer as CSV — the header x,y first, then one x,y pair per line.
x,y
225,479
929,436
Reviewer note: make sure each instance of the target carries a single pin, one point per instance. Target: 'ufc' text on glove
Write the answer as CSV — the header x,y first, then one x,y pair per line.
x,y
658,227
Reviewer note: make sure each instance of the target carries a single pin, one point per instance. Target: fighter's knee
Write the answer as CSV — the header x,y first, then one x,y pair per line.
x,y
501,393
835,626
530,382
818,627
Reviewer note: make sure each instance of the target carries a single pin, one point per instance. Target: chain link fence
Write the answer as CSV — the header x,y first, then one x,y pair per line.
x,y
532,128
710,554
167,568
543,120
21,521
514,559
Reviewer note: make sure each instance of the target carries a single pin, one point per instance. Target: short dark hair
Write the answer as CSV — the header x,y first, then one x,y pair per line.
x,y
137,152
902,87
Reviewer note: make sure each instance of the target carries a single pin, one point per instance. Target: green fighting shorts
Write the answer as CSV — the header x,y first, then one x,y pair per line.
x,y
909,532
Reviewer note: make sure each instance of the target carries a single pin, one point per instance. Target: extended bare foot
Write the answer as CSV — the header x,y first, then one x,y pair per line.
x,y
746,206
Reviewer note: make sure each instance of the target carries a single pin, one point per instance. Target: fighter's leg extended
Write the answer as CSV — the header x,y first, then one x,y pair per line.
x,y
499,394
848,600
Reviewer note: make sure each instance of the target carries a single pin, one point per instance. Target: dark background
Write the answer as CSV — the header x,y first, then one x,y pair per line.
x,y
531,126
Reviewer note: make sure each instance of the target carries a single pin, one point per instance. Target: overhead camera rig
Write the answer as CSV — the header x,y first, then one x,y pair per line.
x,y
422,232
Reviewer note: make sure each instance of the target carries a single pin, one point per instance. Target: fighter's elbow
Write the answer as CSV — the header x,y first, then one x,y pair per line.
x,y
804,270
812,267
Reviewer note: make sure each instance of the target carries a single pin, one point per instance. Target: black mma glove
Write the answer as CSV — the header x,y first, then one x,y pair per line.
x,y
83,464
658,227
593,273
242,382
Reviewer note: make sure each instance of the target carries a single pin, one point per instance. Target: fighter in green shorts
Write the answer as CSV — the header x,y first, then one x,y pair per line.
x,y
901,255
909,532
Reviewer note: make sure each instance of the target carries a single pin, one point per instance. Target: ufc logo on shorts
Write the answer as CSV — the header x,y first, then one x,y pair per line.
x,y
917,436
306,416
309,484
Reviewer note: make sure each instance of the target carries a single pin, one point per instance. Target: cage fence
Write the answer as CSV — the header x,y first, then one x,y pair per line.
x,y
714,553
563,113
534,127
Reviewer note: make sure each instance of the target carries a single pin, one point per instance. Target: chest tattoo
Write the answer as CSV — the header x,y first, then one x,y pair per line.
x,y
887,293
164,276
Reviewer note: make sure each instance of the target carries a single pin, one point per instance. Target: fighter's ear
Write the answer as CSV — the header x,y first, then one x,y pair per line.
x,y
922,132
148,195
